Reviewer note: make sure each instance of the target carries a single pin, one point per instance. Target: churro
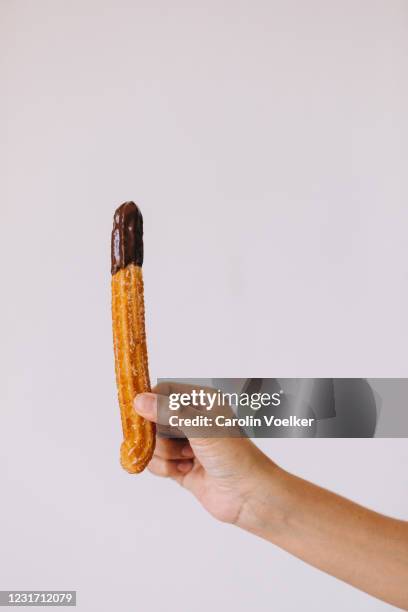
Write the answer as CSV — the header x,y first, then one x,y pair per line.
x,y
129,336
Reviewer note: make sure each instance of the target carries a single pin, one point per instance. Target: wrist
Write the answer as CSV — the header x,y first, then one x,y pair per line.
x,y
265,506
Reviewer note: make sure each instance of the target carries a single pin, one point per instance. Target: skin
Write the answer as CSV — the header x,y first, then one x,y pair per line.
x,y
238,484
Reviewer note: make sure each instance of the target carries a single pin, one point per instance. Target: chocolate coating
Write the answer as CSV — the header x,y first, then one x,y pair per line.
x,y
127,237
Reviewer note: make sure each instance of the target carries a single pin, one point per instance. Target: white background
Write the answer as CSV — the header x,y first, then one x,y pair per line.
x,y
266,143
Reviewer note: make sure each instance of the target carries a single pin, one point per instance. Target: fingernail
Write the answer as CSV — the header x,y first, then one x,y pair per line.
x,y
144,404
184,466
187,451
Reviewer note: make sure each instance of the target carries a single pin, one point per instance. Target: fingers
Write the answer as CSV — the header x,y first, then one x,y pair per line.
x,y
171,459
146,405
170,469
173,449
155,407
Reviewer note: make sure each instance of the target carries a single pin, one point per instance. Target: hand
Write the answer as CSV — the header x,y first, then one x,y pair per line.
x,y
224,474
238,484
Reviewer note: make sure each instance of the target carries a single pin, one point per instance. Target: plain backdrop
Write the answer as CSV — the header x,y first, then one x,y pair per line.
x,y
266,143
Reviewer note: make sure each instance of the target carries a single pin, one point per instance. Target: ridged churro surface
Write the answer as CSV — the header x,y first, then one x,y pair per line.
x,y
131,365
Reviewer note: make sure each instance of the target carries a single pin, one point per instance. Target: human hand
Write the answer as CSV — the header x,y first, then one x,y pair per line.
x,y
224,474
238,484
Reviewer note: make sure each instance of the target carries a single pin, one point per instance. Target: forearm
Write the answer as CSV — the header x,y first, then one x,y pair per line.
x,y
361,547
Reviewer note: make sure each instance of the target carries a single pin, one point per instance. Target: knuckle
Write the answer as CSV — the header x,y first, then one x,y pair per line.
x,y
167,469
160,467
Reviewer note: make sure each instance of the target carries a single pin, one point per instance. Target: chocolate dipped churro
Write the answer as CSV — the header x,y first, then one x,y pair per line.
x,y
129,336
